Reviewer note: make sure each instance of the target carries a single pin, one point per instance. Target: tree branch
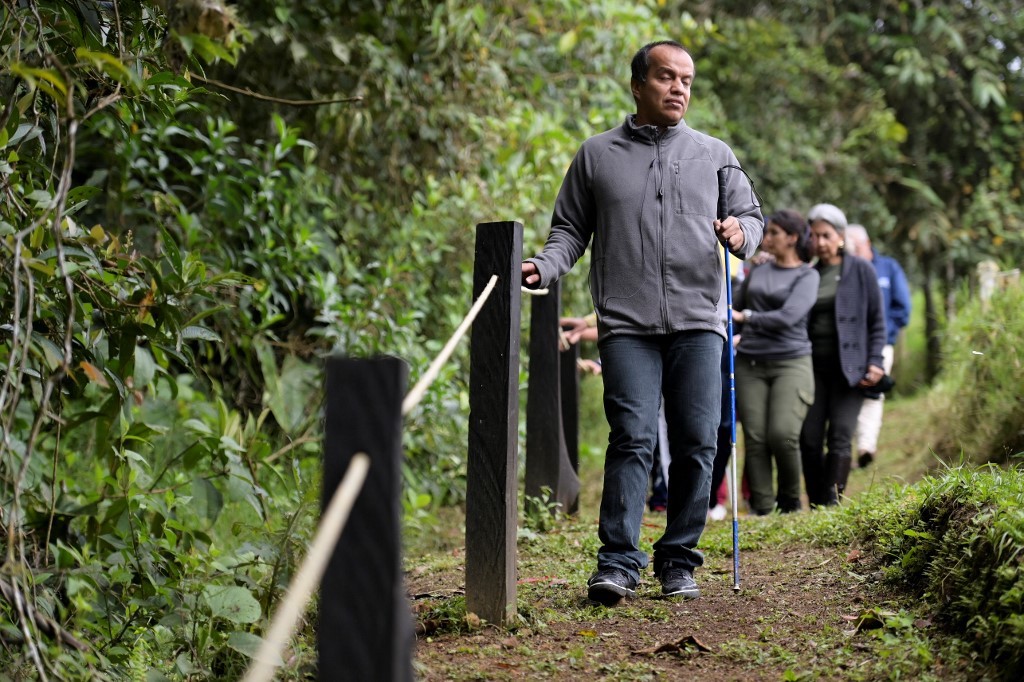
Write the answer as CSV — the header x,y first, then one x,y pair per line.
x,y
279,100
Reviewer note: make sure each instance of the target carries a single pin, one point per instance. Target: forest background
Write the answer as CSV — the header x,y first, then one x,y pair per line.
x,y
201,200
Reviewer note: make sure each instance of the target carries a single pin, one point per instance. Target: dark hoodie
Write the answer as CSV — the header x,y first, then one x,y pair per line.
x,y
649,199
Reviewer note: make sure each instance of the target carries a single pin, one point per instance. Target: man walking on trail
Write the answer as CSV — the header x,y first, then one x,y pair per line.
x,y
896,303
646,192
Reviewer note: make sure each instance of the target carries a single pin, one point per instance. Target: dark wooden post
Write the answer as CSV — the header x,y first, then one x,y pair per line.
x,y
365,623
547,459
570,390
492,469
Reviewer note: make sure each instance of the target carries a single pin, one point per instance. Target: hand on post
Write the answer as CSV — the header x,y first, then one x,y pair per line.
x,y
531,276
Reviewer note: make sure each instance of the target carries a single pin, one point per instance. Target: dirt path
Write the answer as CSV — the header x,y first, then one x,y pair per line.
x,y
787,622
804,612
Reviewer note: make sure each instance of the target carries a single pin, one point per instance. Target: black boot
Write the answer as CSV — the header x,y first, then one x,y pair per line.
x,y
842,474
787,505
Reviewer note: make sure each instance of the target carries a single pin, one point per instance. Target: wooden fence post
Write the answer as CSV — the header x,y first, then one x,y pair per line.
x,y
547,459
492,467
365,621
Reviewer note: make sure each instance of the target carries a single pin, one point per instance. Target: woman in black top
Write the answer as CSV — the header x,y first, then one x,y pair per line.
x,y
847,332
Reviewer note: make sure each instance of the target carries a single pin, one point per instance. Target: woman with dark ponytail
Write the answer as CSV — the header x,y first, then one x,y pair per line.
x,y
774,376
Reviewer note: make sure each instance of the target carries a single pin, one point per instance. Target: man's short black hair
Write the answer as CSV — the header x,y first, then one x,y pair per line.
x,y
641,61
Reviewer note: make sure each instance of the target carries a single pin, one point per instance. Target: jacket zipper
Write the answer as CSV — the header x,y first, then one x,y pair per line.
x,y
661,259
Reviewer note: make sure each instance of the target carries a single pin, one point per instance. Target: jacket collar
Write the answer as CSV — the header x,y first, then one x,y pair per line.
x,y
647,133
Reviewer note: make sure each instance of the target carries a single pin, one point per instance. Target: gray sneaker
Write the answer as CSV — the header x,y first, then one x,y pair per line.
x,y
610,585
677,581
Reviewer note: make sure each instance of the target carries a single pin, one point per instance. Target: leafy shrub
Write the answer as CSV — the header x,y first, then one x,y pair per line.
x,y
963,552
128,492
955,540
983,370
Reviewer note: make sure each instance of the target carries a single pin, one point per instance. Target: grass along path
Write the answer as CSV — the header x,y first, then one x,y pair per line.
x,y
808,608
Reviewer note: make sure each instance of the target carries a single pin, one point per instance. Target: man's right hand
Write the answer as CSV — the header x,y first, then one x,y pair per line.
x,y
531,276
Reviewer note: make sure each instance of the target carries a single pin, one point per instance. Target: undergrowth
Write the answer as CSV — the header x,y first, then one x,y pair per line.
x,y
982,372
953,540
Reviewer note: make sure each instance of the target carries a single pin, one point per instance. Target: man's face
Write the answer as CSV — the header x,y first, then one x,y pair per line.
x,y
662,99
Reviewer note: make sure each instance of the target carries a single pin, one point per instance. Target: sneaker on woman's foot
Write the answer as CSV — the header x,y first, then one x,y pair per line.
x,y
610,585
716,513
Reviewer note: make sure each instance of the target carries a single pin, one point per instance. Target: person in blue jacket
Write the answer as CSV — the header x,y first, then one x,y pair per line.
x,y
646,194
896,300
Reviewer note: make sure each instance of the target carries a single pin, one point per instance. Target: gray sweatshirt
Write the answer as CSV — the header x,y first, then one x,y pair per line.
x,y
780,300
649,201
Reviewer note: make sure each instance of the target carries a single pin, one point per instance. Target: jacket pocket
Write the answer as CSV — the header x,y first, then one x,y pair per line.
x,y
691,192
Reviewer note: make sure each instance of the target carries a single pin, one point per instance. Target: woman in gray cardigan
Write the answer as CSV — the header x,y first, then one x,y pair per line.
x,y
847,332
774,378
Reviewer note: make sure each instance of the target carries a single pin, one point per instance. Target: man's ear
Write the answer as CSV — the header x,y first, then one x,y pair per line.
x,y
634,87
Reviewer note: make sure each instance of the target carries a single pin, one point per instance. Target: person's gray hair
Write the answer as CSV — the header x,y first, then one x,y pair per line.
x,y
830,213
857,233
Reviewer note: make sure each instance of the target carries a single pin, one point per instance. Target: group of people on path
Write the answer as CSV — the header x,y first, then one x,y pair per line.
x,y
811,353
646,197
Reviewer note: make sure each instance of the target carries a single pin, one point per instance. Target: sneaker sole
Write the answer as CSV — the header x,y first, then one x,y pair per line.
x,y
687,593
609,594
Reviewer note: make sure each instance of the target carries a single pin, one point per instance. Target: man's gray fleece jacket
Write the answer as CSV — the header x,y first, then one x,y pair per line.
x,y
649,201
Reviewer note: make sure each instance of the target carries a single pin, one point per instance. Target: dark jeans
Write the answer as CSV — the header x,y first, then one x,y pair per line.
x,y
724,449
637,370
831,420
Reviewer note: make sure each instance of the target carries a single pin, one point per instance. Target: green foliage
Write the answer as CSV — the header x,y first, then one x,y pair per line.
x,y
954,540
540,514
128,493
909,368
795,164
957,540
176,257
982,376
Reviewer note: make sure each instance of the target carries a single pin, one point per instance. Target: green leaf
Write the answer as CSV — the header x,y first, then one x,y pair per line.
x,y
72,252
567,42
46,80
207,499
41,197
51,354
168,78
249,644
13,123
202,333
145,367
82,193
25,133
923,190
233,603
110,65
193,455
184,665
290,395
205,48
199,426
